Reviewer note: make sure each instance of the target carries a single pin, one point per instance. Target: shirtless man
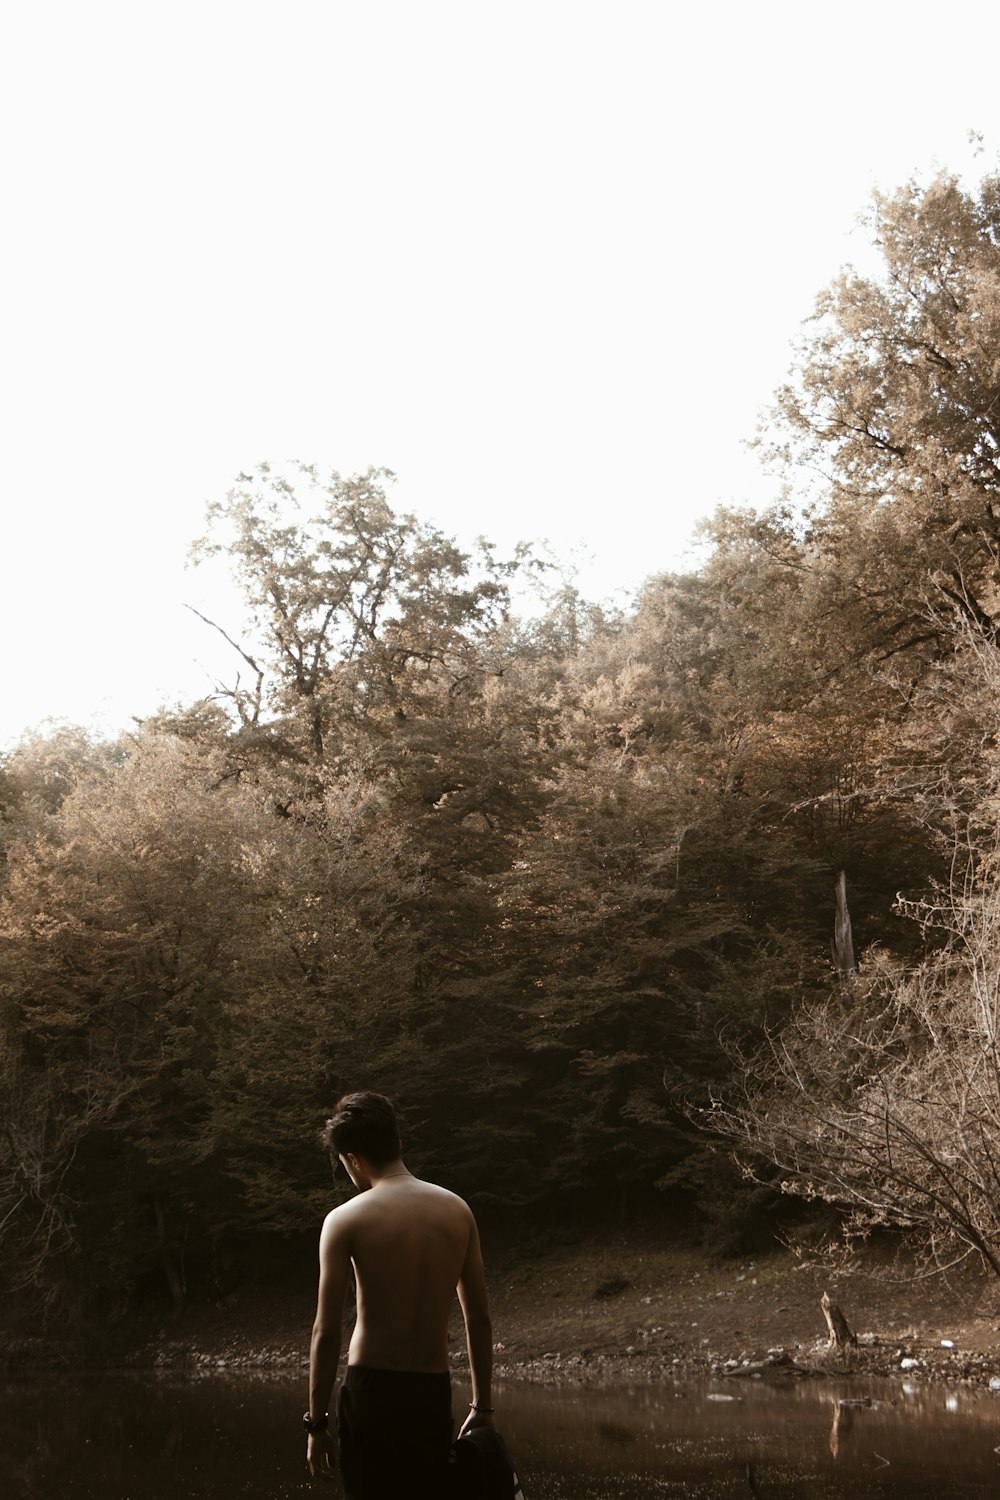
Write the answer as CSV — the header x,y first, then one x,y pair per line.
x,y
411,1245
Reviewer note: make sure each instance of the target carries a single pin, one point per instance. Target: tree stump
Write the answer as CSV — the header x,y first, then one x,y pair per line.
x,y
840,1332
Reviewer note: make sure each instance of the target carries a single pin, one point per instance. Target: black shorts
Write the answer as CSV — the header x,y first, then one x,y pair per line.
x,y
395,1429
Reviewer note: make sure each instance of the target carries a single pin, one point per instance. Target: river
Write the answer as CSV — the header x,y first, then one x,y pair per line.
x,y
224,1436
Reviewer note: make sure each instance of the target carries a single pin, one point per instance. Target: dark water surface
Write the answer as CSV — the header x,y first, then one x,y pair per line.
x,y
146,1437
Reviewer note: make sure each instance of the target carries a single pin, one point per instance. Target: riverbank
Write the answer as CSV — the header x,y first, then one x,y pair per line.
x,y
637,1308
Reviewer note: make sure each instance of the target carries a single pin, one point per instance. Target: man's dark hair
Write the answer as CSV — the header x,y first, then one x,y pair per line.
x,y
364,1124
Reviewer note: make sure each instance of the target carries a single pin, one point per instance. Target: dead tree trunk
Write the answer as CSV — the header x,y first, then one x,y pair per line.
x,y
173,1271
840,1332
843,940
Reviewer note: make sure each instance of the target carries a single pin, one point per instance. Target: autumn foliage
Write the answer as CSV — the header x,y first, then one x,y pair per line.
x,y
539,871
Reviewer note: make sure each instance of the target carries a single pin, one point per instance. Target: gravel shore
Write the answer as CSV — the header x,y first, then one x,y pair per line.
x,y
631,1310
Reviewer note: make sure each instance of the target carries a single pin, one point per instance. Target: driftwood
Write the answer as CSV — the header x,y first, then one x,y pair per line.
x,y
839,1328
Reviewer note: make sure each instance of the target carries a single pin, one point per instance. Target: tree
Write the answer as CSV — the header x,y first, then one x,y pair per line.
x,y
627,934
180,970
884,1098
353,608
882,1095
793,746
894,399
111,927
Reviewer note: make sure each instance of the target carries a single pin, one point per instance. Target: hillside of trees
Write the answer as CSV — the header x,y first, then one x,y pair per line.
x,y
559,879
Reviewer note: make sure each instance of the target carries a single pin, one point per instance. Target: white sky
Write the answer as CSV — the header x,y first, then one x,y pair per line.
x,y
543,260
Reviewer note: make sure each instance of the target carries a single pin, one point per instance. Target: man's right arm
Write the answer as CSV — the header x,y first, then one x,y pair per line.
x,y
478,1332
324,1348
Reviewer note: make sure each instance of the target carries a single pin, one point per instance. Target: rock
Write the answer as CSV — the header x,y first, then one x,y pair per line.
x,y
909,1364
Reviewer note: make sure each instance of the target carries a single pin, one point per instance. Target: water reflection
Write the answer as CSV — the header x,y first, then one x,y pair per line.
x,y
134,1437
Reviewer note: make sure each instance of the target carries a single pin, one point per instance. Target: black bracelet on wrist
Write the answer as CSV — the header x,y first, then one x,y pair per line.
x,y
315,1424
485,1411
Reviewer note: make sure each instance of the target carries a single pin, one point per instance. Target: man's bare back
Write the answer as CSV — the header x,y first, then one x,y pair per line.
x,y
409,1243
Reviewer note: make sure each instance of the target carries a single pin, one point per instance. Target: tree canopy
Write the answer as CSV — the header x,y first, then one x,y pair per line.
x,y
540,877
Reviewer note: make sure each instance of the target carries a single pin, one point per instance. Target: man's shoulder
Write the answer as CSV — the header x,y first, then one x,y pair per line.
x,y
341,1217
445,1195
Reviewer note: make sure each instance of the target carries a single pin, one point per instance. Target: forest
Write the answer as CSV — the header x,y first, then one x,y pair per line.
x,y
616,904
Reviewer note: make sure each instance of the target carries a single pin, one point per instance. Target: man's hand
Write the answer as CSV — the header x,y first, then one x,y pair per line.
x,y
321,1456
476,1419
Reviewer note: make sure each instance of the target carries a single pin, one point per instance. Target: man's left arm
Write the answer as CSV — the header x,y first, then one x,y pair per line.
x,y
324,1347
478,1332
